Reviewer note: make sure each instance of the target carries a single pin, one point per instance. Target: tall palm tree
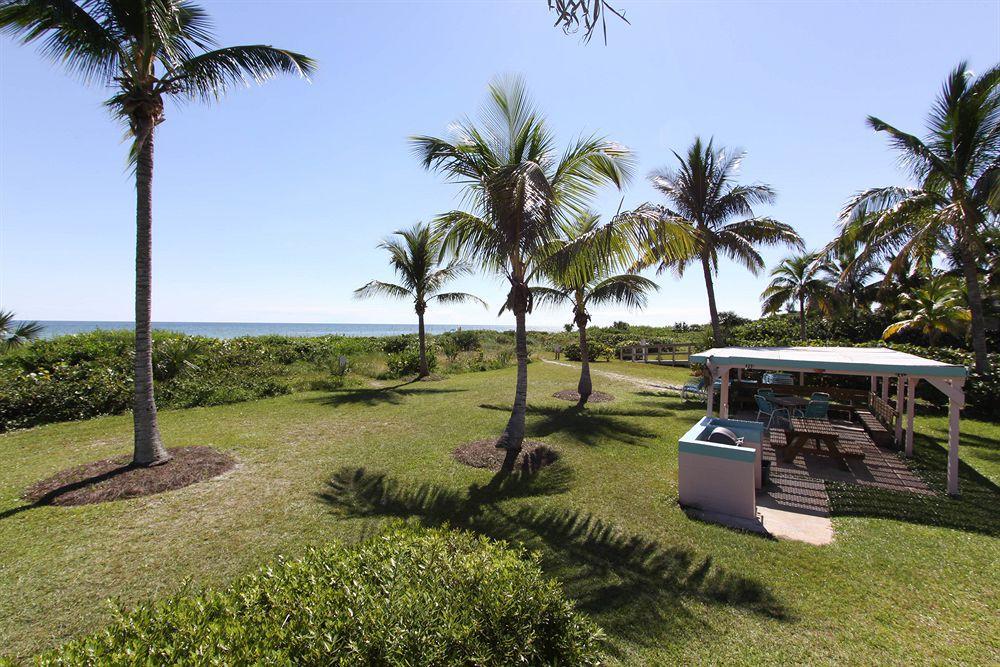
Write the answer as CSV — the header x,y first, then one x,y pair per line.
x,y
582,282
796,281
517,190
937,307
957,198
15,335
702,195
414,257
146,51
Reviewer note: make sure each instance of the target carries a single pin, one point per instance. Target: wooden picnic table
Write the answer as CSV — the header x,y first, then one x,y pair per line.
x,y
802,430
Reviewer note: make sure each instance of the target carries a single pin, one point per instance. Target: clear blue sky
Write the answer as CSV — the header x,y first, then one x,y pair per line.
x,y
268,206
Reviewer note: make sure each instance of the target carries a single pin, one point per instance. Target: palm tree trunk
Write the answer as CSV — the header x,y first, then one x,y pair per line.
x,y
802,318
149,449
513,434
978,324
712,310
423,371
586,387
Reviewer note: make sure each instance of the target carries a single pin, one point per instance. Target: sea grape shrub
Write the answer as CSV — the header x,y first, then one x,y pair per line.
x,y
448,597
407,361
596,350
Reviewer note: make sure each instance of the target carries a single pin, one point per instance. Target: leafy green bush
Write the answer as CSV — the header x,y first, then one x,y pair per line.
x,y
407,361
408,596
596,350
466,340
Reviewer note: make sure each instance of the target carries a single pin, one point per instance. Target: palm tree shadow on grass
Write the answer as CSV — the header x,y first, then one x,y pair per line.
x,y
590,426
975,510
372,396
634,587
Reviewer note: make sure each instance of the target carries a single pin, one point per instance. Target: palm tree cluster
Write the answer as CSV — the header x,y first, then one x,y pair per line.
x,y
925,255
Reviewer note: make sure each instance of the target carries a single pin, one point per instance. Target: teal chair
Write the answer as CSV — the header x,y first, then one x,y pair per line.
x,y
694,389
768,409
816,409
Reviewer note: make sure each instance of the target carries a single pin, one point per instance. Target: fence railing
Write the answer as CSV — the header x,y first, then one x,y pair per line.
x,y
673,354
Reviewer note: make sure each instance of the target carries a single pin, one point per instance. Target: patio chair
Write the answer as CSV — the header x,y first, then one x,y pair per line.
x,y
820,396
693,389
817,409
765,407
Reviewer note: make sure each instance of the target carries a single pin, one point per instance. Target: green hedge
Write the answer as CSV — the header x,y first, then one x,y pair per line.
x,y
407,597
596,350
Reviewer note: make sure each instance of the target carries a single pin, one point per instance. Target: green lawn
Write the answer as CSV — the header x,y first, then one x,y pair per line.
x,y
330,466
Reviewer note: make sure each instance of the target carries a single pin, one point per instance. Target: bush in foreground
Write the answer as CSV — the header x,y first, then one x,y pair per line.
x,y
408,596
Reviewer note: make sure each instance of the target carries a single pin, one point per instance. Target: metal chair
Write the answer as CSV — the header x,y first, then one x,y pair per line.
x,y
765,407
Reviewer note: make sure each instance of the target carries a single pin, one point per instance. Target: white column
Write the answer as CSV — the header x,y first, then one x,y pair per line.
x,y
724,396
953,415
710,391
873,387
911,394
802,379
900,388
885,388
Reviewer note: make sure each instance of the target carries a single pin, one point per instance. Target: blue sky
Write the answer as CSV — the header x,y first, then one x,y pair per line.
x,y
268,205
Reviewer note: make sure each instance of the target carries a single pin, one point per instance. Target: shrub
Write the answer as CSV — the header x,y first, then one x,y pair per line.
x,y
406,596
465,340
596,350
407,361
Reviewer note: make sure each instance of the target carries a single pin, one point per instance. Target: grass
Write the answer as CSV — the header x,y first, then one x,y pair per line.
x,y
329,466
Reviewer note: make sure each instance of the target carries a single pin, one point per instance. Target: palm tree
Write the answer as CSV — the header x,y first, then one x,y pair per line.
x,y
703,196
15,335
796,281
517,189
145,51
957,168
414,258
937,307
852,289
584,282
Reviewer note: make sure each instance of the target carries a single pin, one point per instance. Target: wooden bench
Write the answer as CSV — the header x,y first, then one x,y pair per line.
x,y
875,428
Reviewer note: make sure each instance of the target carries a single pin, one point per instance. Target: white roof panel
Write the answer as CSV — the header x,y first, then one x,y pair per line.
x,y
859,360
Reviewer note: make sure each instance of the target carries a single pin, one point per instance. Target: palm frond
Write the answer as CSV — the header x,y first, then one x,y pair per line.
x,y
214,73
377,288
459,297
628,290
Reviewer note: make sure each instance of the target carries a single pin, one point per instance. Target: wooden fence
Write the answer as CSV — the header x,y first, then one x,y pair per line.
x,y
667,354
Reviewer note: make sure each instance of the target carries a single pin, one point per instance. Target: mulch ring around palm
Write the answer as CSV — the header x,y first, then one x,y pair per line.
x,y
596,397
117,479
486,454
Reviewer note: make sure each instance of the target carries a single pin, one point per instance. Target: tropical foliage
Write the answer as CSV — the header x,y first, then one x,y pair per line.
x,y
934,309
518,190
13,333
414,257
797,283
956,199
581,282
702,194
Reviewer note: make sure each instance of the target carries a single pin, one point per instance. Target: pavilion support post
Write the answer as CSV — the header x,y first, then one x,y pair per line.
x,y
724,393
885,388
953,434
709,391
900,388
911,393
873,385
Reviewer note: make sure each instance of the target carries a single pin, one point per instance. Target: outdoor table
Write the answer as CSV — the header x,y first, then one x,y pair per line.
x,y
802,430
790,402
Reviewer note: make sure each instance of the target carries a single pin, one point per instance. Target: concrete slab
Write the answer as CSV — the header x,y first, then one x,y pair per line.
x,y
774,523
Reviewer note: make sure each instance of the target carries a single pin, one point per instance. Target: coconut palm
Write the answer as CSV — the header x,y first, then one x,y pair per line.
x,y
146,51
583,283
702,195
15,334
414,257
937,307
796,281
957,197
517,190
852,285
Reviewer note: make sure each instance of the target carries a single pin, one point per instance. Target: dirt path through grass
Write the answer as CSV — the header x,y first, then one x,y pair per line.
x,y
637,382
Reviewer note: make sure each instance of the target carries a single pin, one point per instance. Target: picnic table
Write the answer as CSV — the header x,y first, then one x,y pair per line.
x,y
802,430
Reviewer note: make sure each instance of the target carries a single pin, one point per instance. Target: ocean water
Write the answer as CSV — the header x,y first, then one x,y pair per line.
x,y
236,329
